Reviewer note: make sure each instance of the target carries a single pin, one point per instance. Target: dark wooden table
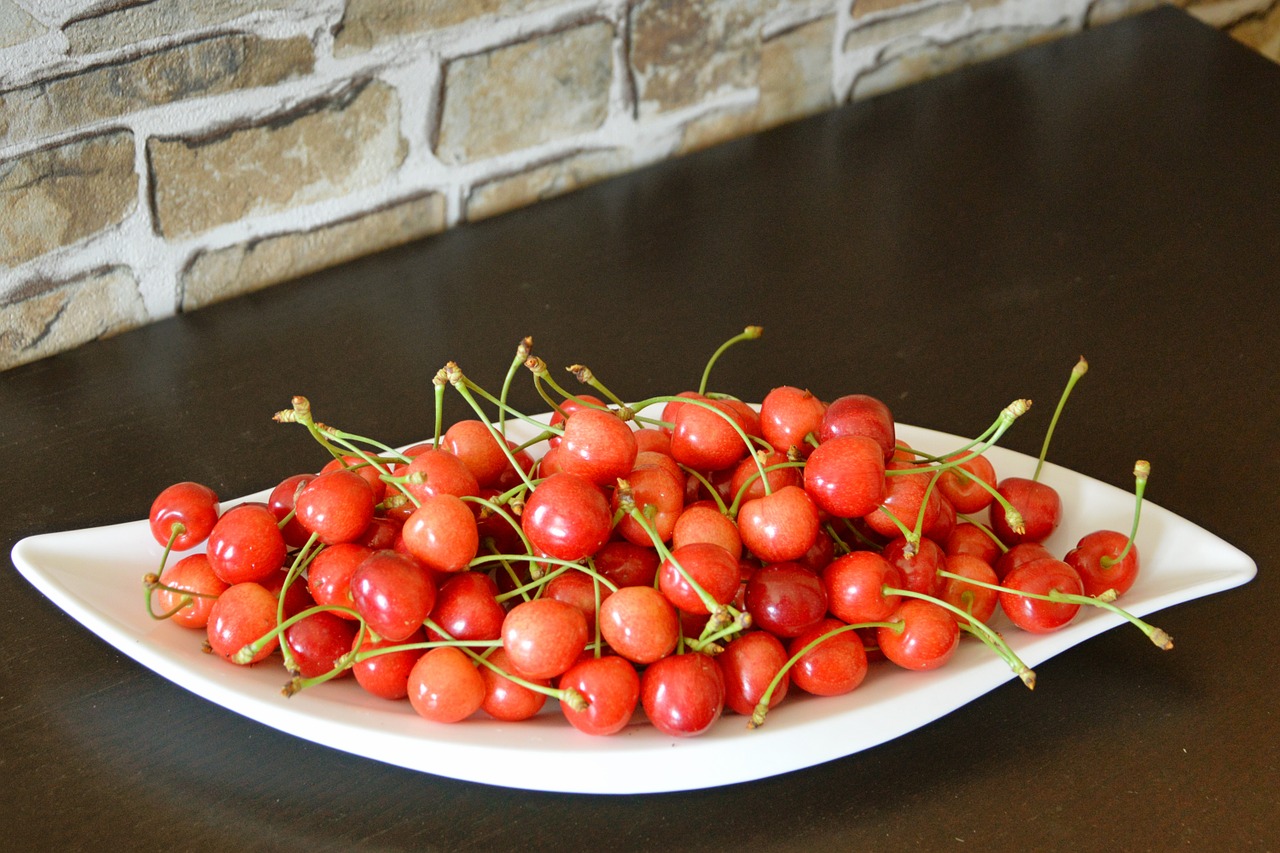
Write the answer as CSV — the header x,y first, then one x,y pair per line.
x,y
947,248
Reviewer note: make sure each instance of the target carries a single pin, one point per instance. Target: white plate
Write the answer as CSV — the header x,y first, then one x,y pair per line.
x,y
95,575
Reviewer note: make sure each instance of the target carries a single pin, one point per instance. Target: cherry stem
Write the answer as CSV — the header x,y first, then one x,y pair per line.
x,y
1080,369
501,510
993,640
438,383
151,583
732,510
522,353
300,561
723,414
175,530
762,707
987,531
584,375
1141,471
711,490
538,368
459,381
750,333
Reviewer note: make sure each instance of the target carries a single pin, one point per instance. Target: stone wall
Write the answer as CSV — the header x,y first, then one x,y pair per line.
x,y
160,155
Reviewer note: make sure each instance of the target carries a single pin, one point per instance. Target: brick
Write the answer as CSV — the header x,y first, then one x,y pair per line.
x,y
324,150
527,93
1260,31
58,196
61,316
795,72
118,27
863,8
881,32
366,23
544,181
1105,11
207,67
219,274
16,26
684,51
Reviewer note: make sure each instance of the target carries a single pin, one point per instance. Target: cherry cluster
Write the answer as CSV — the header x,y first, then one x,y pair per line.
x,y
682,555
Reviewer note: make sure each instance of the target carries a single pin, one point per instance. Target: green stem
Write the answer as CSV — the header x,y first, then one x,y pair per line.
x,y
1079,370
1141,471
750,333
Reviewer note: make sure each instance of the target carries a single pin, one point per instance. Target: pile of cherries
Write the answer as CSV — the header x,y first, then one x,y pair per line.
x,y
682,555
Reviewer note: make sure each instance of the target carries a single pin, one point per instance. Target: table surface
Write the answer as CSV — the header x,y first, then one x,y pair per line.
x,y
947,248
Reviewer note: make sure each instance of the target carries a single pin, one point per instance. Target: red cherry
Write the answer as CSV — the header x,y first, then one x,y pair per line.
x,y
748,664
788,415
969,538
785,599
928,638
611,687
467,608
1040,576
543,637
193,574
504,699
473,443
710,566
859,414
442,533
650,439
627,564
329,575
568,407
906,494
640,624
356,465
979,602
243,613
683,695
779,527
444,686
386,674
444,473
193,506
318,641
1088,556
566,517
336,506
1040,506
919,569
1023,552
281,503
393,594
246,544
845,476
835,666
578,589
652,488
747,482
706,440
597,446
962,485
703,522
855,587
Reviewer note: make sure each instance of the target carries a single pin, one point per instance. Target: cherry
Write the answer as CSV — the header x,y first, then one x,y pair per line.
x,y
543,637
962,485
578,589
1023,552
749,663
650,439
659,496
859,414
747,484
779,527
683,695
370,474
1088,558
566,517
567,407
473,443
785,599
611,687
704,439
597,446
191,505
919,569
1039,505
504,699
906,494
969,538
928,637
191,574
709,566
703,522
337,506
442,533
393,594
627,564
836,665
444,686
386,674
329,574
639,624
467,608
444,473
318,641
245,544
788,415
845,476
281,503
242,614
855,586
1040,577
978,601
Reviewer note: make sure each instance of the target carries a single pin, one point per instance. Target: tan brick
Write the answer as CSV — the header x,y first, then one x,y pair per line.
x,y
366,23
118,27
57,196
206,67
1261,32
1105,11
16,26
718,126
325,150
527,93
58,317
212,276
862,8
683,51
881,32
544,181
795,72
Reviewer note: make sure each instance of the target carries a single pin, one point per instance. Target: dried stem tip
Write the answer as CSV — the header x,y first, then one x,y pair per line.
x,y
525,347
1142,469
753,332
581,372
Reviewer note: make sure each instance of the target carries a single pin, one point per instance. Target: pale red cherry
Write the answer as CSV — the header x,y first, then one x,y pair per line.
x,y
442,533
683,695
978,601
191,574
780,527
444,686
704,522
968,538
445,473
192,505
855,586
337,506
393,594
833,667
597,446
369,473
651,439
962,485
788,416
568,407
640,624
246,544
659,496
543,637
611,687
905,494
925,639
845,476
472,442
748,482
329,575
567,517
749,663
504,699
242,614
704,437
860,414
663,461
710,566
